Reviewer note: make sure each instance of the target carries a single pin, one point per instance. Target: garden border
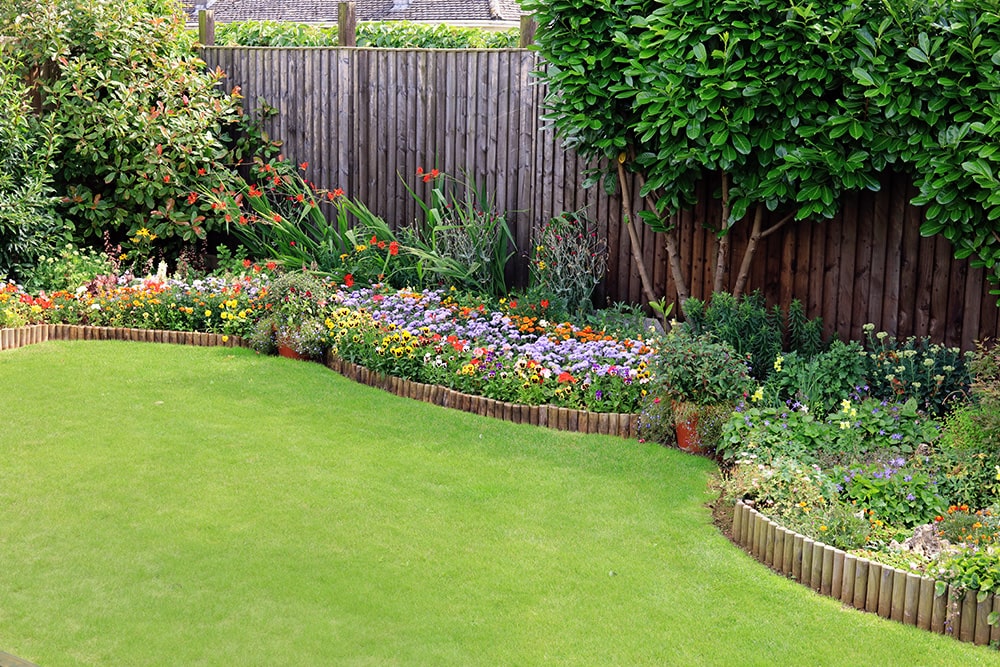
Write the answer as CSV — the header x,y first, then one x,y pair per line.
x,y
891,593
618,424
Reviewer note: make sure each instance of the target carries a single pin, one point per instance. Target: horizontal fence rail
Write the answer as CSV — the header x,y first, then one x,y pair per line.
x,y
366,119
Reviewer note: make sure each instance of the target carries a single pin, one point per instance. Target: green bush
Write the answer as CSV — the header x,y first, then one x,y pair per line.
x,y
29,226
138,122
754,329
819,382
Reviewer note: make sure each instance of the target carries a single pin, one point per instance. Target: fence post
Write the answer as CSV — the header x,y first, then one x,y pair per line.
x,y
347,25
528,27
206,27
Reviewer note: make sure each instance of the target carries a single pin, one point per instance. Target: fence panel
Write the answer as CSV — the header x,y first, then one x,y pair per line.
x,y
366,119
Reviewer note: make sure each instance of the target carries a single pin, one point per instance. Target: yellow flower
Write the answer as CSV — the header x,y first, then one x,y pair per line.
x,y
845,405
777,363
758,395
845,425
208,313
823,528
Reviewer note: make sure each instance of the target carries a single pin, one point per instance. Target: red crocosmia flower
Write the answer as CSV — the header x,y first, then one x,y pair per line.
x,y
291,243
201,171
277,218
435,173
271,266
427,178
348,280
243,220
304,166
300,198
277,180
166,179
247,263
513,304
420,171
374,240
256,268
381,245
229,218
192,198
545,303
254,191
393,248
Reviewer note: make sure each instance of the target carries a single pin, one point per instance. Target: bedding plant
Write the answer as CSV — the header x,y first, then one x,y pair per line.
x,y
895,460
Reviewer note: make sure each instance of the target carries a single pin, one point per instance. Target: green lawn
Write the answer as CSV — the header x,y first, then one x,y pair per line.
x,y
166,505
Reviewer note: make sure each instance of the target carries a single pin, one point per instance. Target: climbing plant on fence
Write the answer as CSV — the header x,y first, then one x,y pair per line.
x,y
786,104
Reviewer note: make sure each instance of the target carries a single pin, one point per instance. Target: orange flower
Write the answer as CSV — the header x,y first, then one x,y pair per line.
x,y
393,248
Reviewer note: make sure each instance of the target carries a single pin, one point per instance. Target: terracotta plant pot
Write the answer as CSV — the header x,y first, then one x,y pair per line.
x,y
289,353
686,428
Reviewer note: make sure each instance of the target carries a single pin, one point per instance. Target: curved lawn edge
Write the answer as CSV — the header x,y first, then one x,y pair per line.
x,y
623,425
866,585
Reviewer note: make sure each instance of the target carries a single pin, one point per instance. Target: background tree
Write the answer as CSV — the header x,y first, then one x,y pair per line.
x,y
677,93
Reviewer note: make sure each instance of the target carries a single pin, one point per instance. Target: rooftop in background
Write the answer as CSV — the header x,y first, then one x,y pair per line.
x,y
504,13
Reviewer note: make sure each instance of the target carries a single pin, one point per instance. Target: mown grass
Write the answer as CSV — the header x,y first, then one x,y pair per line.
x,y
169,505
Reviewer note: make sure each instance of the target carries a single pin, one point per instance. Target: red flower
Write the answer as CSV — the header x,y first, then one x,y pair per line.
x,y
374,240
348,279
393,248
544,303
564,377
271,266
247,263
254,192
291,243
277,218
338,193
381,245
166,179
192,198
420,171
201,171
303,166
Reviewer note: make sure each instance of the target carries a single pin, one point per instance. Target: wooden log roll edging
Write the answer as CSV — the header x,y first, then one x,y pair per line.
x,y
622,425
39,333
894,594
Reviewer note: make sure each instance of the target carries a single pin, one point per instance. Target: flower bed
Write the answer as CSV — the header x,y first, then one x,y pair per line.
x,y
935,605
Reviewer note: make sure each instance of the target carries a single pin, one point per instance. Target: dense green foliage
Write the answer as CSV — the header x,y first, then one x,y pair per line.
x,y
388,34
28,225
787,104
137,121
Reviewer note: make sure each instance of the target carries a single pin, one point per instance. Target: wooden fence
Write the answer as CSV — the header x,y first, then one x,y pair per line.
x,y
366,119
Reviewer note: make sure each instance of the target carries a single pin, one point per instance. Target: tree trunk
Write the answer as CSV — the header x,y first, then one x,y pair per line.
x,y
647,285
756,234
722,250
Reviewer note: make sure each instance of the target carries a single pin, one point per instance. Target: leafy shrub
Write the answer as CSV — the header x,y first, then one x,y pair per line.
x,y
699,369
936,376
819,381
859,428
753,329
785,488
896,491
68,269
138,121
29,226
971,569
568,260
